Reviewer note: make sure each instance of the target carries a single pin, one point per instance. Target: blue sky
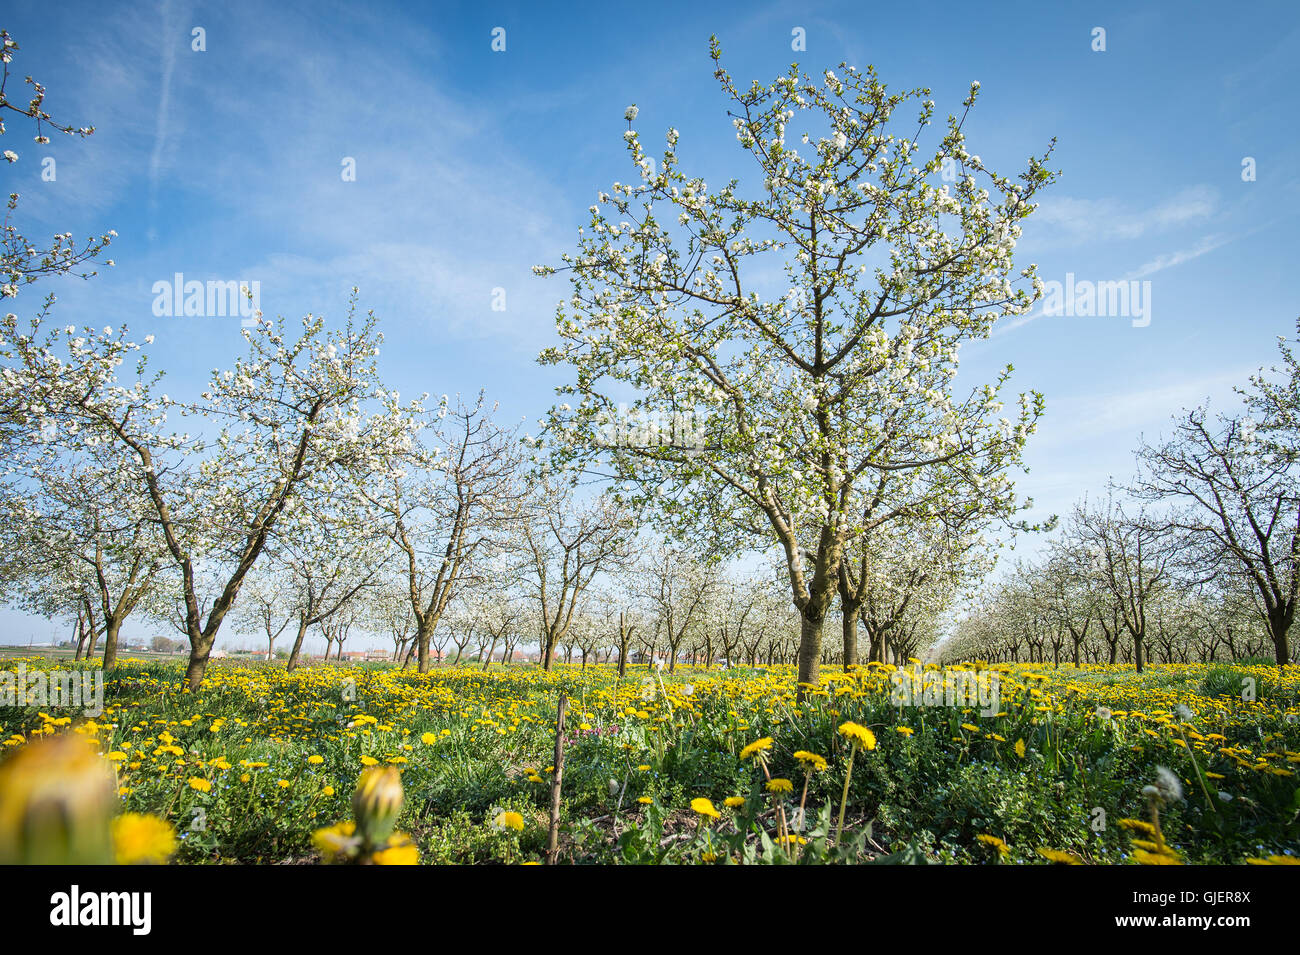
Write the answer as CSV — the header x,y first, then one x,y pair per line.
x,y
473,165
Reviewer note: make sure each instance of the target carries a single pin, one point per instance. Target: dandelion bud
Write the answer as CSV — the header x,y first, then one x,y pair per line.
x,y
57,798
377,802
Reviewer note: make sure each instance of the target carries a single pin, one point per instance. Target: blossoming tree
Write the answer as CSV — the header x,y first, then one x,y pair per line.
x,y
296,419
808,327
566,544
446,506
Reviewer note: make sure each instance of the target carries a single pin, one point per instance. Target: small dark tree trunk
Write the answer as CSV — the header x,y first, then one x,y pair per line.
x,y
850,628
111,630
296,652
1279,625
622,646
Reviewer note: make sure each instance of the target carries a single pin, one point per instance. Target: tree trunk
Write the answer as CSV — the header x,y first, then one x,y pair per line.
x,y
850,627
111,630
810,649
423,634
200,647
295,654
622,646
879,644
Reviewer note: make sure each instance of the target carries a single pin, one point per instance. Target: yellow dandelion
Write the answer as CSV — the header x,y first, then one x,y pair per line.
x,y
995,842
810,761
396,855
509,820
756,748
859,736
140,839
705,808
1060,857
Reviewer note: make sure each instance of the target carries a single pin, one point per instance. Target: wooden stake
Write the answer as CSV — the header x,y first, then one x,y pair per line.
x,y
553,834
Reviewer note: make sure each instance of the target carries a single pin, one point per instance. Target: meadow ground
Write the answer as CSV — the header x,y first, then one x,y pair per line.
x,y
707,765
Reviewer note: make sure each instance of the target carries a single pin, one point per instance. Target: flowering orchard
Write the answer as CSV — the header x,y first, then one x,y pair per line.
x,y
349,764
608,638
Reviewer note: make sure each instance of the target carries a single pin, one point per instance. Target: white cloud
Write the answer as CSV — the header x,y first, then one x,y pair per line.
x,y
1074,219
162,123
1161,262
1168,260
1078,419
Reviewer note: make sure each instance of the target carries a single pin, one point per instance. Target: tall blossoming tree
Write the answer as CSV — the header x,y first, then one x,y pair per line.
x,y
807,327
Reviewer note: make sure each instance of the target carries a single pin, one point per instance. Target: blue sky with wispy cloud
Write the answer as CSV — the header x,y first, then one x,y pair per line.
x,y
473,165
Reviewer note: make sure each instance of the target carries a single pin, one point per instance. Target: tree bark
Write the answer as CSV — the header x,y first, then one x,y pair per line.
x,y
850,628
111,629
1279,625
199,652
810,649
622,645
295,654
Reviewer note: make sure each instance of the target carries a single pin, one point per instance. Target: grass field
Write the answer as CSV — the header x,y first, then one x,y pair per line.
x,y
249,767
